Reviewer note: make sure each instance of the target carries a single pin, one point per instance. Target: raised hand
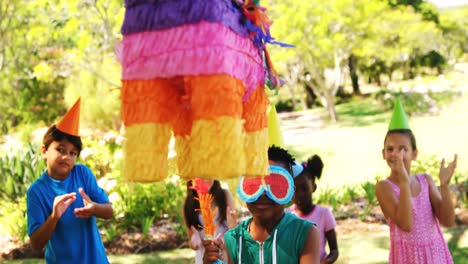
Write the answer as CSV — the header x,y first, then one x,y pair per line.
x,y
88,209
446,173
61,204
400,167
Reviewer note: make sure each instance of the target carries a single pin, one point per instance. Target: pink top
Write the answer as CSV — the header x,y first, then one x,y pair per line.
x,y
325,221
425,243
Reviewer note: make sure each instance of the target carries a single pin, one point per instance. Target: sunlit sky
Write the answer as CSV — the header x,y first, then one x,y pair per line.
x,y
447,3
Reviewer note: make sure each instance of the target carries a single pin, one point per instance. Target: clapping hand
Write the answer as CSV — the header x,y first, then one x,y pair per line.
x,y
61,204
88,209
446,173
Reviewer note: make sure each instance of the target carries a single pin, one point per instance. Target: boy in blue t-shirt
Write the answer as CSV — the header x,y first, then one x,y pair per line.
x,y
59,219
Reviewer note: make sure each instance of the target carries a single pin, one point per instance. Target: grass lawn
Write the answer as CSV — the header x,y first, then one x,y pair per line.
x,y
366,246
176,256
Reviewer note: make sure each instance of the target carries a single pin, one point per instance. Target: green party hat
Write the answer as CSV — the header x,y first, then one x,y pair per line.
x,y
274,131
398,120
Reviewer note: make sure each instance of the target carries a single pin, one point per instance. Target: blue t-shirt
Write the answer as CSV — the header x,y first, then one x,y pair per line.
x,y
75,240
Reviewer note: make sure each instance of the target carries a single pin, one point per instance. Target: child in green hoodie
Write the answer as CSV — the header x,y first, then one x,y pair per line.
x,y
271,235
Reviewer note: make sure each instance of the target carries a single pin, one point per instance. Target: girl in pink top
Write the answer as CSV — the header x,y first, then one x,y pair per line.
x,y
303,206
413,205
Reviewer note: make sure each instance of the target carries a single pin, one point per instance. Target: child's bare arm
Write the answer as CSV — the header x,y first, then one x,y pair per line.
x,y
41,235
311,252
333,245
441,200
104,210
400,211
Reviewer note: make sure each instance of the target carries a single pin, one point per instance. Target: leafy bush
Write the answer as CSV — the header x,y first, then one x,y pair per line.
x,y
103,155
369,192
30,100
110,230
139,203
326,196
179,226
428,164
13,218
416,102
335,203
18,169
146,224
350,194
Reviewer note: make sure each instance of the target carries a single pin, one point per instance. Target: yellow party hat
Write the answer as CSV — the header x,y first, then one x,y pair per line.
x,y
274,131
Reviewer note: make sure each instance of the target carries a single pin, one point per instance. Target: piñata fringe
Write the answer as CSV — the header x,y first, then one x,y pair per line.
x,y
256,151
214,96
217,149
183,158
149,101
254,111
146,150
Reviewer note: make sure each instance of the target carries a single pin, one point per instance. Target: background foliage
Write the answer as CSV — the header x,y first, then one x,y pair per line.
x,y
53,51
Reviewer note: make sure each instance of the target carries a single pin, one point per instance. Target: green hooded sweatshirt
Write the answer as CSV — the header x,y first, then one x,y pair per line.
x,y
284,244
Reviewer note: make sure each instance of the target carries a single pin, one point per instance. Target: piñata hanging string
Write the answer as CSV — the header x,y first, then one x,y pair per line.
x,y
258,25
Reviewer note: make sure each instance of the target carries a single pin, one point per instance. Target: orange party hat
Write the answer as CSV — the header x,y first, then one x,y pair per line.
x,y
70,122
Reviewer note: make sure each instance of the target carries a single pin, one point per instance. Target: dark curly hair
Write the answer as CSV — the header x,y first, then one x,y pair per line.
x,y
314,166
276,153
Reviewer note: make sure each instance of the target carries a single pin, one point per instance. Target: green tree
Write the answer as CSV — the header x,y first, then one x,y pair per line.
x,y
398,37
326,34
46,46
95,70
32,70
454,26
430,13
428,10
333,36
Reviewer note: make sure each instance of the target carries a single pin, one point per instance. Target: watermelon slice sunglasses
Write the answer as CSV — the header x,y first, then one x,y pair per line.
x,y
278,186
